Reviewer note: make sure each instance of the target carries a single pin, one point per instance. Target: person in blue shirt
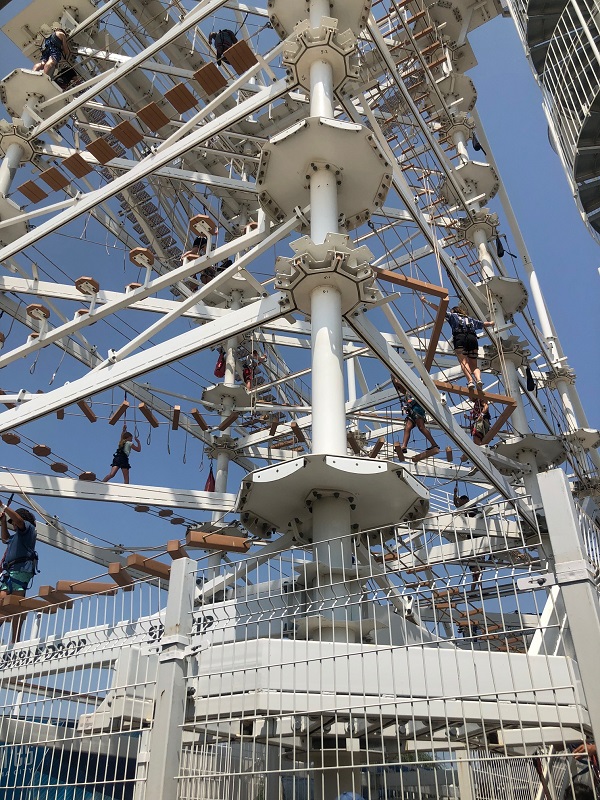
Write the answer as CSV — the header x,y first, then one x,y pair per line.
x,y
19,563
464,341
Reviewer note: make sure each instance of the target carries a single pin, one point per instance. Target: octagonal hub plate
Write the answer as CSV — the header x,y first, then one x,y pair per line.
x,y
350,150
335,262
24,86
351,14
480,183
279,497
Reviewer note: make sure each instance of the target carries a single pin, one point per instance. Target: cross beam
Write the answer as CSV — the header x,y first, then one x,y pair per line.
x,y
50,486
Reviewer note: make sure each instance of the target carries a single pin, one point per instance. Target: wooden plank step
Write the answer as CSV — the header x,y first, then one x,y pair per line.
x,y
153,116
210,78
102,151
176,550
54,178
13,604
77,165
217,541
127,134
120,576
240,56
51,595
425,32
32,191
150,566
181,98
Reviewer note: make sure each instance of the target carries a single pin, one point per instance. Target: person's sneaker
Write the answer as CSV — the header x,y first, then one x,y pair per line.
x,y
480,384
470,385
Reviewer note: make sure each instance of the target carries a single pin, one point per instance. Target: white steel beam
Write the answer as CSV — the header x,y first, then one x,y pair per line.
x,y
186,344
161,496
205,178
90,358
167,153
122,301
576,575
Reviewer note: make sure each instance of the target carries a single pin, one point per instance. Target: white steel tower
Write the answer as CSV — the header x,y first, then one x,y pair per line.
x,y
387,586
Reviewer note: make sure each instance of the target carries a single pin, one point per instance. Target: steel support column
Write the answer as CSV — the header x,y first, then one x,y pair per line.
x,y
575,576
164,756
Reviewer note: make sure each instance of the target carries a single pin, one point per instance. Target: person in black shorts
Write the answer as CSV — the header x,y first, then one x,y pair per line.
x,y
55,47
121,457
464,341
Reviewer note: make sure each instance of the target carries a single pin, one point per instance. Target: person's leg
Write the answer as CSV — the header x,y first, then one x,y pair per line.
x,y
39,66
50,66
475,576
425,431
464,364
18,619
125,472
408,426
111,474
475,371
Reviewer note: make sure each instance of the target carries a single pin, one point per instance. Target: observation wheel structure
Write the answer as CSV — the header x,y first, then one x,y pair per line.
x,y
229,254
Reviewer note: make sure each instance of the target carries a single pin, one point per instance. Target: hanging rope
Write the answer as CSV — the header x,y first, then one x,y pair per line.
x,y
62,358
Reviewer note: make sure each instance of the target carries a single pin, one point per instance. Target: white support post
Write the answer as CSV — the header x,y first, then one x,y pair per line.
x,y
9,167
465,782
460,142
164,755
485,259
328,402
575,576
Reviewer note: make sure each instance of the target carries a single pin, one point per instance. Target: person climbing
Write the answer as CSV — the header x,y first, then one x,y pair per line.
x,y
461,500
464,340
251,364
121,457
223,40
19,563
197,249
55,47
415,417
481,421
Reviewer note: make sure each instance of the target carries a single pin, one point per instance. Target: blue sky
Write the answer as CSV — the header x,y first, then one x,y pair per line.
x,y
565,255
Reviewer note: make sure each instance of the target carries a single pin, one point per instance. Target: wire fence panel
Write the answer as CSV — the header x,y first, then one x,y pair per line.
x,y
77,694
436,663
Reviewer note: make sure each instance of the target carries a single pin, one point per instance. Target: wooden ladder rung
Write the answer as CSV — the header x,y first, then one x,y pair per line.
x,y
102,151
240,56
77,165
32,191
181,98
153,116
